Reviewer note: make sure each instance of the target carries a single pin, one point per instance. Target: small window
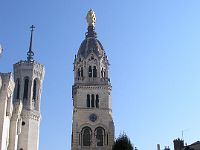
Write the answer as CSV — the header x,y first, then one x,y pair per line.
x,y
94,72
102,73
78,72
88,101
90,71
97,101
81,71
26,82
23,123
92,102
34,89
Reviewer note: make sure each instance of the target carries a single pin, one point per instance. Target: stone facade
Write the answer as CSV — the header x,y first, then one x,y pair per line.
x,y
6,108
93,126
28,77
20,105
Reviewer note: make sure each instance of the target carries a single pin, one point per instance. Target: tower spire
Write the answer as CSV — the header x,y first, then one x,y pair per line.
x,y
30,53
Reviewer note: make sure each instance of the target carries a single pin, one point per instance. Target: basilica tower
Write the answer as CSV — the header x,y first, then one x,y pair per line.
x,y
25,121
93,126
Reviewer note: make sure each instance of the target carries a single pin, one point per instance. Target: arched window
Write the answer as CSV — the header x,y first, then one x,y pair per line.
x,y
81,71
88,101
18,89
97,101
100,135
26,82
86,136
92,102
34,89
94,72
78,72
90,71
102,73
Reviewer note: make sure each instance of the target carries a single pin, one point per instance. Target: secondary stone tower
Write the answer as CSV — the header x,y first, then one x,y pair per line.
x,y
25,122
93,126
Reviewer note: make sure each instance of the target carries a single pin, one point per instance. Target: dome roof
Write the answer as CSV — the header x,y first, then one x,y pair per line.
x,y
89,45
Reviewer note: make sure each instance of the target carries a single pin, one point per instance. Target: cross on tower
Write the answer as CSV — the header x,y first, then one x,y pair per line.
x,y
32,28
30,53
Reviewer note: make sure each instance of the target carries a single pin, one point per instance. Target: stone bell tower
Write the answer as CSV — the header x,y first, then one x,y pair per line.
x,y
93,126
28,76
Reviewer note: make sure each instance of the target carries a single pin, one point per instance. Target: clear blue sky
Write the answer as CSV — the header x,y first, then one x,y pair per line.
x,y
154,50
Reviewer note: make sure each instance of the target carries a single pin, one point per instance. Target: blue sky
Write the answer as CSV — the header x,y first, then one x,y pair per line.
x,y
153,47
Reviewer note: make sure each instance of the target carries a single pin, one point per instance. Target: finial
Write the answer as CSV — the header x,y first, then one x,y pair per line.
x,y
91,18
30,53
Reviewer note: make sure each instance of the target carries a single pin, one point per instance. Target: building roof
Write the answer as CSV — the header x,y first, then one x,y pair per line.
x,y
195,143
89,45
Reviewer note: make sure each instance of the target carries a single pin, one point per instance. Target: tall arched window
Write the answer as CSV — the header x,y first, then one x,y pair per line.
x,y
18,89
94,71
100,135
92,102
86,136
97,101
34,89
26,82
102,72
81,71
90,71
78,72
88,101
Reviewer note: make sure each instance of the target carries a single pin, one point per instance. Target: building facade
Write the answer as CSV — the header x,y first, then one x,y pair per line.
x,y
20,104
93,126
179,145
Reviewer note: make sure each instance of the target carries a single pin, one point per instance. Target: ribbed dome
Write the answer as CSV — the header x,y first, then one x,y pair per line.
x,y
89,45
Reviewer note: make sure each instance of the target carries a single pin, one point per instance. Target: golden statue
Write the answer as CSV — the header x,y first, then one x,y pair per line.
x,y
91,18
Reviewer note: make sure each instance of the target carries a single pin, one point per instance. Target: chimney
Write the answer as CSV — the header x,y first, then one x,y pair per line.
x,y
167,148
